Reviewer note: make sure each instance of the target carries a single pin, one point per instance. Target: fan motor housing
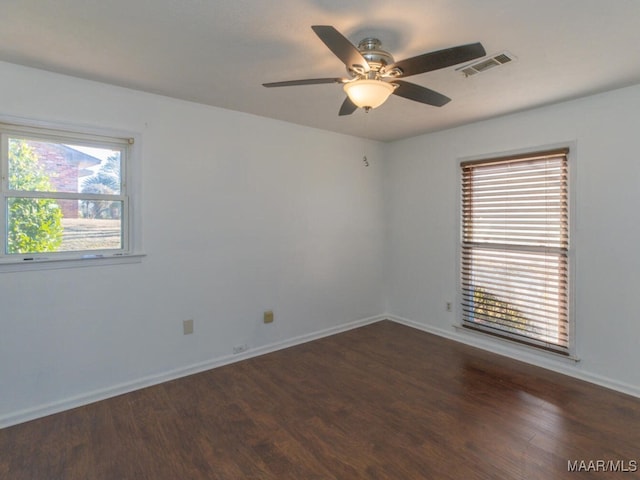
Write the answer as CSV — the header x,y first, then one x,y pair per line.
x,y
376,57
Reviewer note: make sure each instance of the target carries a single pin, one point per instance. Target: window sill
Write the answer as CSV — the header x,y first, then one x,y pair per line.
x,y
488,338
69,262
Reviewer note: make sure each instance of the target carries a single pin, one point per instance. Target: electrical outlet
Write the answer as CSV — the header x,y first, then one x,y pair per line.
x,y
448,306
240,348
187,327
268,316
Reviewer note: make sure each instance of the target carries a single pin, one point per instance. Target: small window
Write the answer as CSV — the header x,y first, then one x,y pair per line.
x,y
515,244
64,195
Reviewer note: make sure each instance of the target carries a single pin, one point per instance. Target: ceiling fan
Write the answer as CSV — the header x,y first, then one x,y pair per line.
x,y
374,74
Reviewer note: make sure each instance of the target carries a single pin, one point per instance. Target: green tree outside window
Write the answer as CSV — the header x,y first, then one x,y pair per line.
x,y
35,224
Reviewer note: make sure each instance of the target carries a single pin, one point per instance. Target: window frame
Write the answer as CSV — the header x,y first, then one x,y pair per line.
x,y
125,142
569,352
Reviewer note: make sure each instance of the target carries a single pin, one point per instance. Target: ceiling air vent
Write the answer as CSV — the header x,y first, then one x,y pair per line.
x,y
485,64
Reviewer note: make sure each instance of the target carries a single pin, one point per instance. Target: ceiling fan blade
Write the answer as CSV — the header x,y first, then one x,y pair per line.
x,y
341,47
348,107
420,94
309,81
428,62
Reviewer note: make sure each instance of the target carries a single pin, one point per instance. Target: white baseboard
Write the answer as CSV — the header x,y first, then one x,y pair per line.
x,y
564,366
39,411
550,361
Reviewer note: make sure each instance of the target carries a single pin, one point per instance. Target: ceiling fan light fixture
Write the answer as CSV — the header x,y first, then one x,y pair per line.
x,y
367,65
368,93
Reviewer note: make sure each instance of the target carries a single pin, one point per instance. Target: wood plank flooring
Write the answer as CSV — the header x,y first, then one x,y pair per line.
x,y
380,402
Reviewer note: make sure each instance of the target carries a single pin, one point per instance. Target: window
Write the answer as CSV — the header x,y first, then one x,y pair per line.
x,y
64,195
515,241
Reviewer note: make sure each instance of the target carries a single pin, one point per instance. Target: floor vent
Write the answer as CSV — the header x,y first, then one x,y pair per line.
x,y
485,64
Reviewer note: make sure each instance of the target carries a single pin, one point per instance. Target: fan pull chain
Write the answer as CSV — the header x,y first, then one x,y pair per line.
x,y
366,128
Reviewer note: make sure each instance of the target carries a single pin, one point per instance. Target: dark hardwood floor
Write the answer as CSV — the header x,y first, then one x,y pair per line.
x,y
380,402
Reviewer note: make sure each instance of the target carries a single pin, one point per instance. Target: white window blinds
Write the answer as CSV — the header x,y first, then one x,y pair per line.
x,y
515,241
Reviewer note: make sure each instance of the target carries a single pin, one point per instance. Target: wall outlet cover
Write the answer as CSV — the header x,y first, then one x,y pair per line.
x,y
240,348
187,327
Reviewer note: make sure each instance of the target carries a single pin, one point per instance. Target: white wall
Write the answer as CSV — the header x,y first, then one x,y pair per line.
x,y
240,214
423,228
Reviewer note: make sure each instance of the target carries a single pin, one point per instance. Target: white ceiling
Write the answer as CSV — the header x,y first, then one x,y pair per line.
x,y
219,52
